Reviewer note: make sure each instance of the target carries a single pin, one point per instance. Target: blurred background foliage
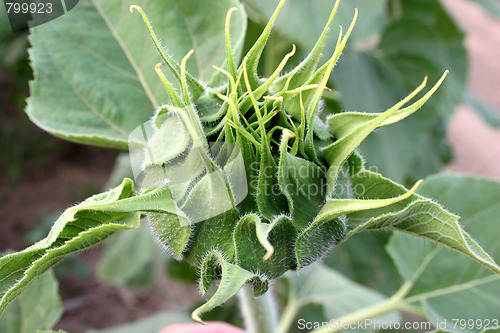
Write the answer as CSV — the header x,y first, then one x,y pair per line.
x,y
394,45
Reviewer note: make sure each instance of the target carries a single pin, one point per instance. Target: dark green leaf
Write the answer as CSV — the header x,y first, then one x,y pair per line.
x,y
119,89
274,251
337,295
363,259
303,22
304,185
417,216
39,307
424,39
78,228
270,199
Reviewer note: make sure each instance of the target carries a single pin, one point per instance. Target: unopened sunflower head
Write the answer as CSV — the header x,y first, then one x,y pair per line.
x,y
252,169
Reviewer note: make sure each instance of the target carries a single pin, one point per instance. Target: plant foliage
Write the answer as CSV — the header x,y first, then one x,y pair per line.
x,y
244,177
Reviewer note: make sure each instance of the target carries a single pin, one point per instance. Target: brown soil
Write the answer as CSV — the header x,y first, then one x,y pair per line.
x,y
69,178
69,173
89,303
48,177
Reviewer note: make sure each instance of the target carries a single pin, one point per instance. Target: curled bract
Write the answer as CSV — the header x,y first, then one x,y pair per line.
x,y
253,172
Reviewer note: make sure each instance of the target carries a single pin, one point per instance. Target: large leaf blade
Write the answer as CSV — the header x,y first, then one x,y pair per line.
x,y
132,259
39,307
78,228
417,216
376,271
446,284
337,295
119,89
89,106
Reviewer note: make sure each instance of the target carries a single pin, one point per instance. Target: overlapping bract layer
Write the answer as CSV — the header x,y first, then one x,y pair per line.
x,y
247,181
290,161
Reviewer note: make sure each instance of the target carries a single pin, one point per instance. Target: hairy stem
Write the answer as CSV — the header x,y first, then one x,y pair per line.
x,y
259,312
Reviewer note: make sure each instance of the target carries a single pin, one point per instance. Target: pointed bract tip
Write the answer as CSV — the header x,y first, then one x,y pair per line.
x,y
184,84
417,184
132,7
70,213
158,65
288,133
232,10
355,18
189,54
312,86
197,318
268,254
424,82
442,78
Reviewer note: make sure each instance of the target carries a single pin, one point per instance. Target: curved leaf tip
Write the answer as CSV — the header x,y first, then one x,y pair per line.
x,y
139,9
232,278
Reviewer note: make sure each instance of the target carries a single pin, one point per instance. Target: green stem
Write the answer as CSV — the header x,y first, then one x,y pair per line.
x,y
289,313
259,312
395,303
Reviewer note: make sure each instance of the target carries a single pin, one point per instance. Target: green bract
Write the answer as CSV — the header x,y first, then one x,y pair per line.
x,y
248,179
253,170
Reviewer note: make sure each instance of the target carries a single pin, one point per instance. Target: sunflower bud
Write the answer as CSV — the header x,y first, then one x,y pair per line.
x,y
252,170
